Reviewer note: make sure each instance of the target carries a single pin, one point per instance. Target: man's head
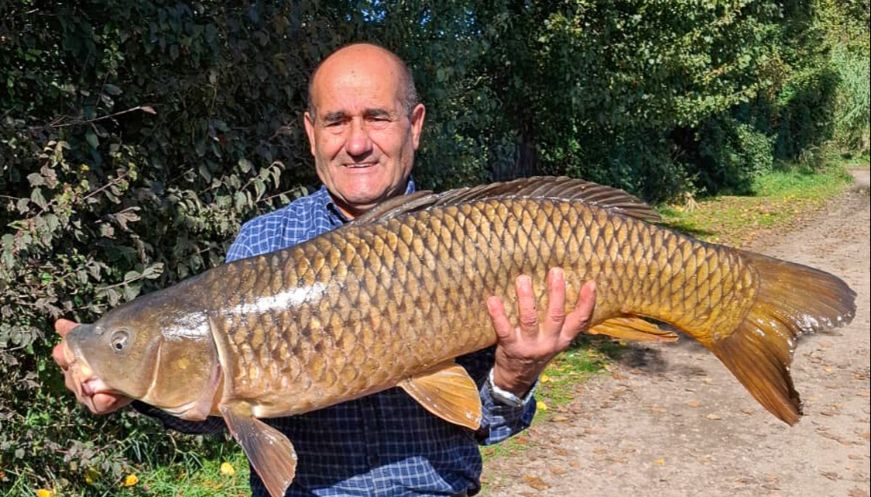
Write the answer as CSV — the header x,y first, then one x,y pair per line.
x,y
363,125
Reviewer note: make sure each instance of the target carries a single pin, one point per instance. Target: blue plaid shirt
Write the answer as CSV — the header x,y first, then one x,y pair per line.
x,y
386,444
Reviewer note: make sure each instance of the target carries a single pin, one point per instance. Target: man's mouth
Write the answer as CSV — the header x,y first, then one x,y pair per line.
x,y
360,165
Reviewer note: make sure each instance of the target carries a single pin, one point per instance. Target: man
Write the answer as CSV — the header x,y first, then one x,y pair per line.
x,y
364,124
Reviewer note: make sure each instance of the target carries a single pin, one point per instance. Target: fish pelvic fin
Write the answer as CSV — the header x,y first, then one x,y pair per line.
x,y
270,452
633,328
447,391
791,299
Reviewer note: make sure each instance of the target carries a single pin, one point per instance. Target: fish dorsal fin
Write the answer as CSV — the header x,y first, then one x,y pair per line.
x,y
539,187
395,206
448,392
556,188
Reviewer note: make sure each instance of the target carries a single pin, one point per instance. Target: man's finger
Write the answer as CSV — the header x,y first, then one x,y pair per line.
x,y
64,326
503,327
57,353
556,301
527,314
579,318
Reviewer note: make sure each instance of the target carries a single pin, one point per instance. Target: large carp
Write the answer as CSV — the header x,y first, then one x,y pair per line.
x,y
393,297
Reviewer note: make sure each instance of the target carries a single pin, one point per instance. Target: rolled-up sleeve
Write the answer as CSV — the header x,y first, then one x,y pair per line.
x,y
498,421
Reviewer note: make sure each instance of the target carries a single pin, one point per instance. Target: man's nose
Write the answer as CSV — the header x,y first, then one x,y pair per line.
x,y
358,142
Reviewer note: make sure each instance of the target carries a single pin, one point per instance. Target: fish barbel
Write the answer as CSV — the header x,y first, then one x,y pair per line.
x,y
307,327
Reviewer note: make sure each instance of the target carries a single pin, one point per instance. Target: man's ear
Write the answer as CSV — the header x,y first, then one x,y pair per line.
x,y
417,116
309,122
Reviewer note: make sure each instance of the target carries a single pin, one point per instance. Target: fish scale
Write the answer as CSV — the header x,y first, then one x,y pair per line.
x,y
397,271
394,296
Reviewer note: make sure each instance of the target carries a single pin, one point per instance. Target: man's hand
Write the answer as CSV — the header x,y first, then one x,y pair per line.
x,y
98,403
523,351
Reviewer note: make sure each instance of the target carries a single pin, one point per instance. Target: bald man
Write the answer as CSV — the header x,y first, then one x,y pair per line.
x,y
364,123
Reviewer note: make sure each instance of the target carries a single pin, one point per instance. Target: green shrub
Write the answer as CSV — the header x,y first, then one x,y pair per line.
x,y
854,91
804,111
730,155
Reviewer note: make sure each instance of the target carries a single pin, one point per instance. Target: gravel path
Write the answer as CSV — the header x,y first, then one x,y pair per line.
x,y
671,421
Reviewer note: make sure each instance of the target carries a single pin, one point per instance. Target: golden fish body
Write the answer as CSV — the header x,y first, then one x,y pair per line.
x,y
393,297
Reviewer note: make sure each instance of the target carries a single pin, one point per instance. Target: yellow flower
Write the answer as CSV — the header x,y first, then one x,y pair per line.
x,y
131,480
227,469
44,492
91,476
544,378
541,406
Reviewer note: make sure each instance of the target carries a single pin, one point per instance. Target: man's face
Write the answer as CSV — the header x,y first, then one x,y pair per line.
x,y
362,138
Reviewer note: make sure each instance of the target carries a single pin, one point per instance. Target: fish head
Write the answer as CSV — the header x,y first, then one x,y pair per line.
x,y
153,349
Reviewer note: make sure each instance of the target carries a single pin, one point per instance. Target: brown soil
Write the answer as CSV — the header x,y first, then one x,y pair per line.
x,y
671,421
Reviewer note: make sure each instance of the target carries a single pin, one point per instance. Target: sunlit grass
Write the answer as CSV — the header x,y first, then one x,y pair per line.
x,y
781,197
227,477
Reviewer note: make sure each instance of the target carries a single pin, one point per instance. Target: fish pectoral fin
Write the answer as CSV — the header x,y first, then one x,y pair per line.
x,y
633,328
448,392
269,451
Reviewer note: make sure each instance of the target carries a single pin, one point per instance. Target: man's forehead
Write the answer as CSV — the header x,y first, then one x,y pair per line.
x,y
356,96
337,115
365,72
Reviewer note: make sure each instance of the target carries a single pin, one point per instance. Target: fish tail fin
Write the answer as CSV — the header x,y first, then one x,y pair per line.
x,y
792,299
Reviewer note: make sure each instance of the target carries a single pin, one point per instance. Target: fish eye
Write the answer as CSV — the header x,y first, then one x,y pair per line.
x,y
119,340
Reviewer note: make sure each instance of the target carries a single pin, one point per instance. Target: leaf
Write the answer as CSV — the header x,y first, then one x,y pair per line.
x,y
38,199
106,230
92,139
153,271
131,291
535,482
112,89
35,179
240,201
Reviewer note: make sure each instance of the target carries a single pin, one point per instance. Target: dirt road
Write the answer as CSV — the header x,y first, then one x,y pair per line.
x,y
672,421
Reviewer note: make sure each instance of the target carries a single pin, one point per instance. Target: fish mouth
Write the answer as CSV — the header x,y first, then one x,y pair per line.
x,y
85,381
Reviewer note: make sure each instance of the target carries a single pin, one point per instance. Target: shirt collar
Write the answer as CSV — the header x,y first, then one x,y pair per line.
x,y
326,200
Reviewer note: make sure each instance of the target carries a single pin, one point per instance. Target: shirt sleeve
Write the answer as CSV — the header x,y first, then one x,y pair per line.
x,y
212,424
240,248
499,421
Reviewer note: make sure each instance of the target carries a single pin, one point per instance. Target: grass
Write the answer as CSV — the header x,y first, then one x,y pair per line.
x,y
227,477
782,197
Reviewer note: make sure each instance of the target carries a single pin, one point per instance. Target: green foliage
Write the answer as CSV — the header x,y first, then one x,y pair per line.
x,y
731,155
804,110
847,34
136,136
854,98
